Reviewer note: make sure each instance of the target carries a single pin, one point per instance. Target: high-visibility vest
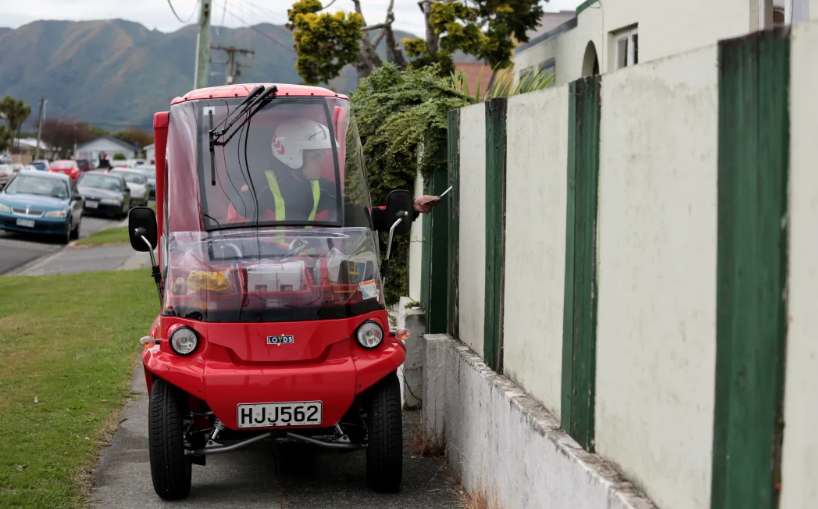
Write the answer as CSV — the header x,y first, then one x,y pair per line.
x,y
281,213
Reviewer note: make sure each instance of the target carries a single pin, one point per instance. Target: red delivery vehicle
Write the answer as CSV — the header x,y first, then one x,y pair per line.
x,y
272,324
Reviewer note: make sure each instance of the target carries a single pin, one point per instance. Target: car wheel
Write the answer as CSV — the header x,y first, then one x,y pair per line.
x,y
76,233
124,212
170,468
384,452
65,238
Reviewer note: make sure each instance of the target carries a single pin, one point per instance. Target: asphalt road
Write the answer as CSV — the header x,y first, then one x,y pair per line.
x,y
267,476
17,249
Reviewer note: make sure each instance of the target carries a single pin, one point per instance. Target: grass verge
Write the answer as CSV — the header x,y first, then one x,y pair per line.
x,y
67,346
116,235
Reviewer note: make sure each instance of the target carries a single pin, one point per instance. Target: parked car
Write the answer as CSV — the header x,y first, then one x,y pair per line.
x,y
70,168
84,164
135,163
6,172
40,202
150,174
40,164
17,167
105,194
138,183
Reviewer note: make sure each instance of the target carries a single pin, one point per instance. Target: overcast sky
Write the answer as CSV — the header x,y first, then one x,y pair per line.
x,y
157,14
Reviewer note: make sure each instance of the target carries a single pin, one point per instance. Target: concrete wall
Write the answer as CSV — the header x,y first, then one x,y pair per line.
x,y
502,442
535,241
657,275
416,247
472,266
800,456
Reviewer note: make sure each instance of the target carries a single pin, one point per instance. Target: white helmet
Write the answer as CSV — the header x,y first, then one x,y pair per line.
x,y
293,137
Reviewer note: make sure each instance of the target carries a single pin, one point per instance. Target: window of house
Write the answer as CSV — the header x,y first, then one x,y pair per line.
x,y
773,13
626,43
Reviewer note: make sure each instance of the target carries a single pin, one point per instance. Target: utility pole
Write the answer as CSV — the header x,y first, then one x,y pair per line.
x,y
41,118
232,72
203,46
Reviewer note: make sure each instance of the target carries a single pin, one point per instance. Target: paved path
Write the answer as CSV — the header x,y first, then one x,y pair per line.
x,y
18,249
268,476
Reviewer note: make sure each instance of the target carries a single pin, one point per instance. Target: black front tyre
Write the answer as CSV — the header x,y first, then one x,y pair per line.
x,y
170,468
384,453
76,233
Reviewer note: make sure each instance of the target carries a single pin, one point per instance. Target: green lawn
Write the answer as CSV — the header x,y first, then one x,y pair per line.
x,y
116,235
70,342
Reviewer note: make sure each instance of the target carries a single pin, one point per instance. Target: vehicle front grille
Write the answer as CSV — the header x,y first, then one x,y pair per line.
x,y
27,212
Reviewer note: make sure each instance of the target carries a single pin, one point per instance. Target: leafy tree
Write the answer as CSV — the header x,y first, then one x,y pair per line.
x,y
484,28
62,134
119,156
397,112
14,112
6,137
135,136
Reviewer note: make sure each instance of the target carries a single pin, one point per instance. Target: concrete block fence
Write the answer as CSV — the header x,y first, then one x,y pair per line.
x,y
627,267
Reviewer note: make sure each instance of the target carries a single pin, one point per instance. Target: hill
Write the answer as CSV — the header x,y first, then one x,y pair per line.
x,y
116,73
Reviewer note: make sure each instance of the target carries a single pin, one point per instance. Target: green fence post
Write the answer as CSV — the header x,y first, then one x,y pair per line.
x,y
437,241
579,317
751,274
495,232
454,222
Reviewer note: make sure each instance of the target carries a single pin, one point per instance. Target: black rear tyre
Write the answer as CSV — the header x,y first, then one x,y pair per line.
x,y
170,468
384,453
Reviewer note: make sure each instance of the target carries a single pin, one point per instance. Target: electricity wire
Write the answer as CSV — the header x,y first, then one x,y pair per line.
x,y
177,16
266,36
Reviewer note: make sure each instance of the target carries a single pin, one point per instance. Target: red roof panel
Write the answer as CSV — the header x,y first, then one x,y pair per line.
x,y
242,90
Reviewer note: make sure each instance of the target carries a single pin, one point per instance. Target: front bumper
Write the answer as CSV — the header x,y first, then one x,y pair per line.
x,y
45,225
221,378
103,209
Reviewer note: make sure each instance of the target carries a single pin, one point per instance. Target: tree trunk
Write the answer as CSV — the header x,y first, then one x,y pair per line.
x,y
393,52
432,38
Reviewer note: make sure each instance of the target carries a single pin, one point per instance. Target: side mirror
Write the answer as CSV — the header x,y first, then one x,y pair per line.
x,y
142,223
400,204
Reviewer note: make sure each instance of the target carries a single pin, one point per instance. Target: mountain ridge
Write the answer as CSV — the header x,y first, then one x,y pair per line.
x,y
117,73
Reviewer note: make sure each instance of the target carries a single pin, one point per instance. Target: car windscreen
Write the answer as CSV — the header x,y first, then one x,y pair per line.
x,y
40,186
101,182
39,166
133,178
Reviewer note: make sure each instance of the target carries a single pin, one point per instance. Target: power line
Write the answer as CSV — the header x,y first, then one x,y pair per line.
x,y
177,16
256,29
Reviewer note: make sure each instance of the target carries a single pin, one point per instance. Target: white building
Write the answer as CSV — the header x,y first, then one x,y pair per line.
x,y
107,145
150,154
608,35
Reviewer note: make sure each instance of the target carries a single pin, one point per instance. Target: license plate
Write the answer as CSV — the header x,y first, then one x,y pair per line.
x,y
300,413
91,204
28,223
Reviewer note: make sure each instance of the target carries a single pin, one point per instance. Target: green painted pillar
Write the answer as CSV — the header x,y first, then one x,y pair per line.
x,y
453,223
495,232
579,317
753,168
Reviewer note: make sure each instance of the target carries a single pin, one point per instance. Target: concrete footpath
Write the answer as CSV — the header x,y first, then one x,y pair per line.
x,y
264,476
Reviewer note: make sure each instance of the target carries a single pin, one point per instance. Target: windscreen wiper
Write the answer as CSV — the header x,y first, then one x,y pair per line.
x,y
252,103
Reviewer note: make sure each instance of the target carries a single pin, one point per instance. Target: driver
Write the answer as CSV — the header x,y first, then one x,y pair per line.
x,y
293,189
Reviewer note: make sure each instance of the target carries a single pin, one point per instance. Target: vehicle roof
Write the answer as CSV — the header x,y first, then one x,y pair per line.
x,y
120,169
38,173
59,161
100,172
241,90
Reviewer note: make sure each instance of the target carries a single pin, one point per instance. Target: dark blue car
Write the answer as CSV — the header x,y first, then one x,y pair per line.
x,y
39,202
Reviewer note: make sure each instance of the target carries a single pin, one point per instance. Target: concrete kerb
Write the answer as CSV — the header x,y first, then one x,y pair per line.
x,y
494,432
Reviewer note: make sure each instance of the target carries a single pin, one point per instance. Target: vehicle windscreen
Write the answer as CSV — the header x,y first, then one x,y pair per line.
x,y
40,186
294,161
255,275
133,178
101,182
39,166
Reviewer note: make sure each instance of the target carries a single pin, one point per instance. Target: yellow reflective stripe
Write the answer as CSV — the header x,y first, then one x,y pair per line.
x,y
281,211
316,195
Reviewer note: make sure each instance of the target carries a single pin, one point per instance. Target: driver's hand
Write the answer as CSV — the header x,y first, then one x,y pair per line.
x,y
425,208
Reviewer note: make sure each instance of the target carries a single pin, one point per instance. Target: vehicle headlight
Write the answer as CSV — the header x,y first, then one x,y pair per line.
x,y
56,213
111,201
370,334
184,341
4,208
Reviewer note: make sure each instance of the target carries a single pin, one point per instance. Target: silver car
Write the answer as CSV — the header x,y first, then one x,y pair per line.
x,y
137,182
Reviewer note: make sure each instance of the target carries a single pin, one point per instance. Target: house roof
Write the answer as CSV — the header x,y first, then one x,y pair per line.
x,y
568,25
112,139
475,74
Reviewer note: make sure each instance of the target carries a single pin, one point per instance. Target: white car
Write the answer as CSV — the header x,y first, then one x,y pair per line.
x,y
6,172
137,182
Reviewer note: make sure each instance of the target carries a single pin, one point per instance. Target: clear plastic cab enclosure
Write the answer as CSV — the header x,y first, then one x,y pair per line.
x,y
257,228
